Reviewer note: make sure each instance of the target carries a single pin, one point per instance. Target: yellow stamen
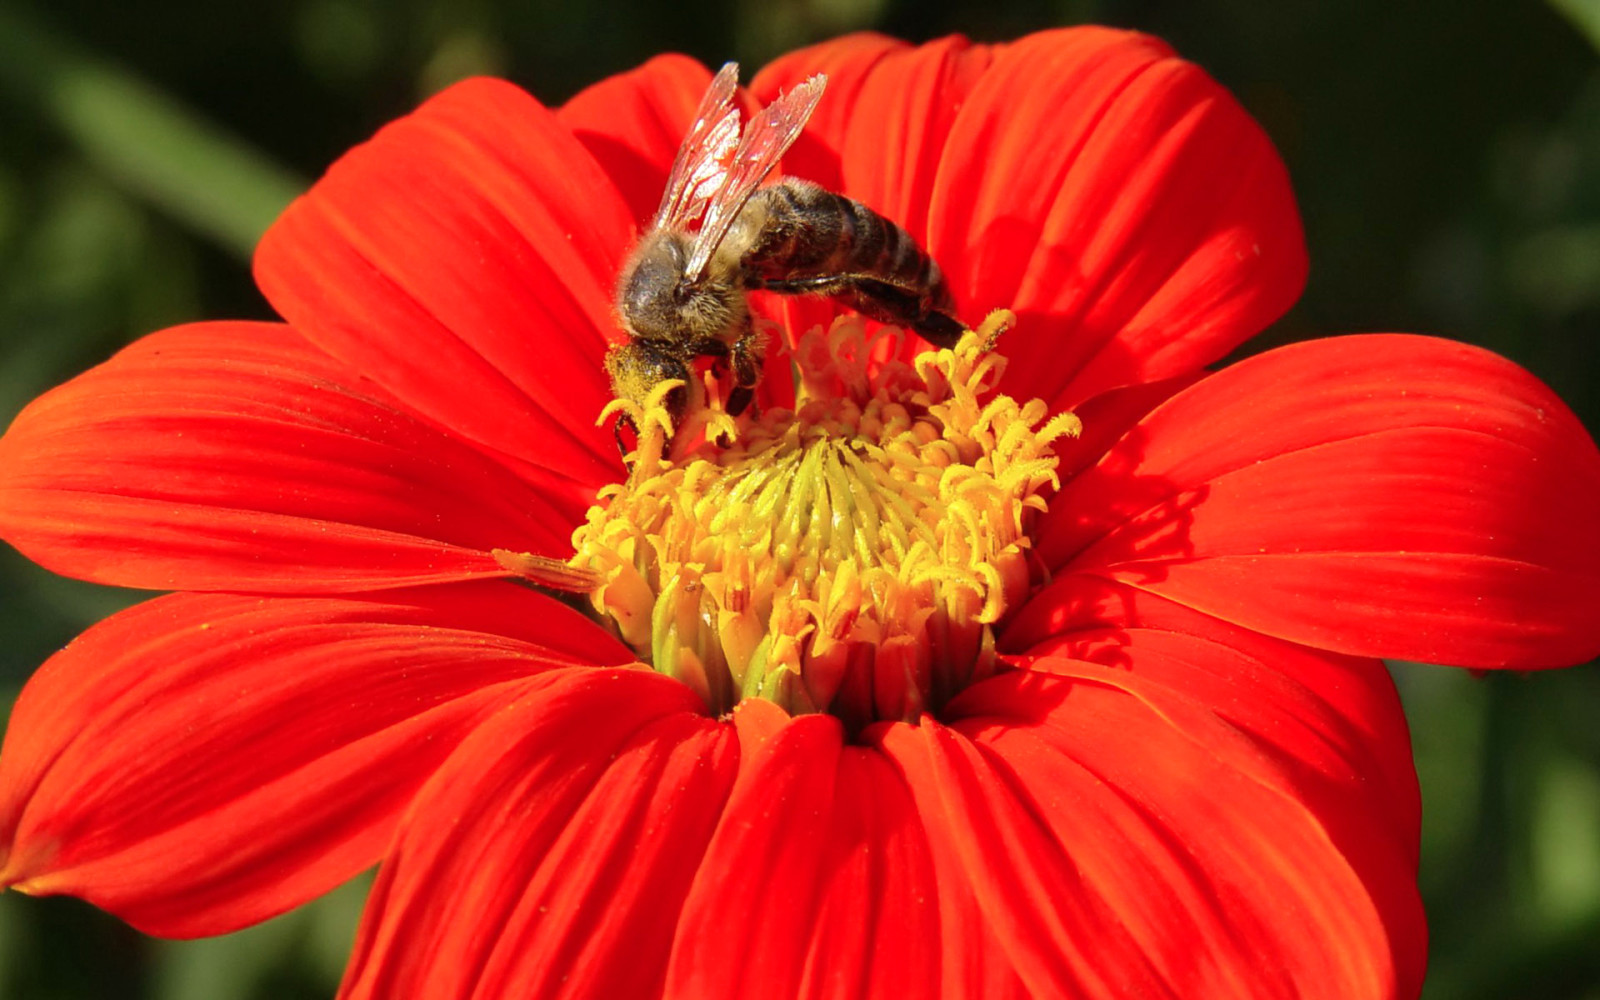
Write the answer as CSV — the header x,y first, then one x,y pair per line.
x,y
852,555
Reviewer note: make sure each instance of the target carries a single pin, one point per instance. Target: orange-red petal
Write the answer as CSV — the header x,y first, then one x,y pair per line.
x,y
1382,495
634,122
819,882
848,63
549,856
201,762
1336,716
1116,197
1061,939
236,456
760,887
1123,840
880,133
464,260
1135,218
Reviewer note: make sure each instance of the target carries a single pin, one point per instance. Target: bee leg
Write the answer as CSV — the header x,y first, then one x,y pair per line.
x,y
637,368
881,301
717,350
746,361
939,329
622,444
742,357
892,304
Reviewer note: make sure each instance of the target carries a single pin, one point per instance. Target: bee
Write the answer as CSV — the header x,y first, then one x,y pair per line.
x,y
719,234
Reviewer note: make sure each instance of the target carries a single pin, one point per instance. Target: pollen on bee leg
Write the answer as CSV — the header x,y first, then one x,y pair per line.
x,y
853,555
652,421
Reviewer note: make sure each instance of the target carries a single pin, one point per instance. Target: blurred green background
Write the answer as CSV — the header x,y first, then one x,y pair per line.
x,y
1446,154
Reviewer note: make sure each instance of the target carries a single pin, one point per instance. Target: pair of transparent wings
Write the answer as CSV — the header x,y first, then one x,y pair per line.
x,y
719,166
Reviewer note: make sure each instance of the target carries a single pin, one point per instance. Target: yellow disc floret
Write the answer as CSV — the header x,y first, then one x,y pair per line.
x,y
852,555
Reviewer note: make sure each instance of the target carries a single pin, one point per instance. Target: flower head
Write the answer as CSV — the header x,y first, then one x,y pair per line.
x,y
852,555
1042,665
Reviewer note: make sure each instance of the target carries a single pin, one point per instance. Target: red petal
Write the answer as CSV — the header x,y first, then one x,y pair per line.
x,y
549,856
1115,197
818,882
876,930
983,833
1337,717
752,908
464,259
908,104
848,63
235,456
1122,203
633,124
1123,842
202,762
1385,495
1109,416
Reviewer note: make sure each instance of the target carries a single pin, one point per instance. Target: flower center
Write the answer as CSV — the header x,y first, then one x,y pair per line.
x,y
851,556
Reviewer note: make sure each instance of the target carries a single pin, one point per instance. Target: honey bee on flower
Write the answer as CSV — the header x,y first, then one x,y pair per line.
x,y
718,235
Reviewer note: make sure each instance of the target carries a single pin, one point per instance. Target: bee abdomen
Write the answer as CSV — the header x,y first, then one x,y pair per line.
x,y
810,231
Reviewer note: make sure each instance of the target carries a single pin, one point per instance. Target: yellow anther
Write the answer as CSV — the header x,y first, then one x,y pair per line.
x,y
849,556
1065,424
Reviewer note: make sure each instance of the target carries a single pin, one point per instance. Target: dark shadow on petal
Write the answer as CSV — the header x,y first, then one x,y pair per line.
x,y
1068,590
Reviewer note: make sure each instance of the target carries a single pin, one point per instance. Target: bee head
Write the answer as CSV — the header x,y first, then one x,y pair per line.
x,y
659,302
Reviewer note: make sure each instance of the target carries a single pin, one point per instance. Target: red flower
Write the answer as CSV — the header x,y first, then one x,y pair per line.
x,y
1186,777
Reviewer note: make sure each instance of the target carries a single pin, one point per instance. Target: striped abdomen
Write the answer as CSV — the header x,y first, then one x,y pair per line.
x,y
802,238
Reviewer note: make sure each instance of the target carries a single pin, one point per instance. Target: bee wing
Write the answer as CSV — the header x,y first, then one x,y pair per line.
x,y
770,133
703,157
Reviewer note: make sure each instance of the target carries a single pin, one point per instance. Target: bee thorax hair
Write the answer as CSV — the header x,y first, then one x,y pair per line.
x,y
658,301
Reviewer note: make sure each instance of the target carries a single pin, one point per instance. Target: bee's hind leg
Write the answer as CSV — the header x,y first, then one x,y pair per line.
x,y
624,421
905,307
746,361
923,312
939,328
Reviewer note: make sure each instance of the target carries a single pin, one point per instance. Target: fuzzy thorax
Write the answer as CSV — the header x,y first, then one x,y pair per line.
x,y
851,556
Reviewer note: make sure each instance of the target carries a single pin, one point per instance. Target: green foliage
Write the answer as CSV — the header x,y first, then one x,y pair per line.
x,y
1584,15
